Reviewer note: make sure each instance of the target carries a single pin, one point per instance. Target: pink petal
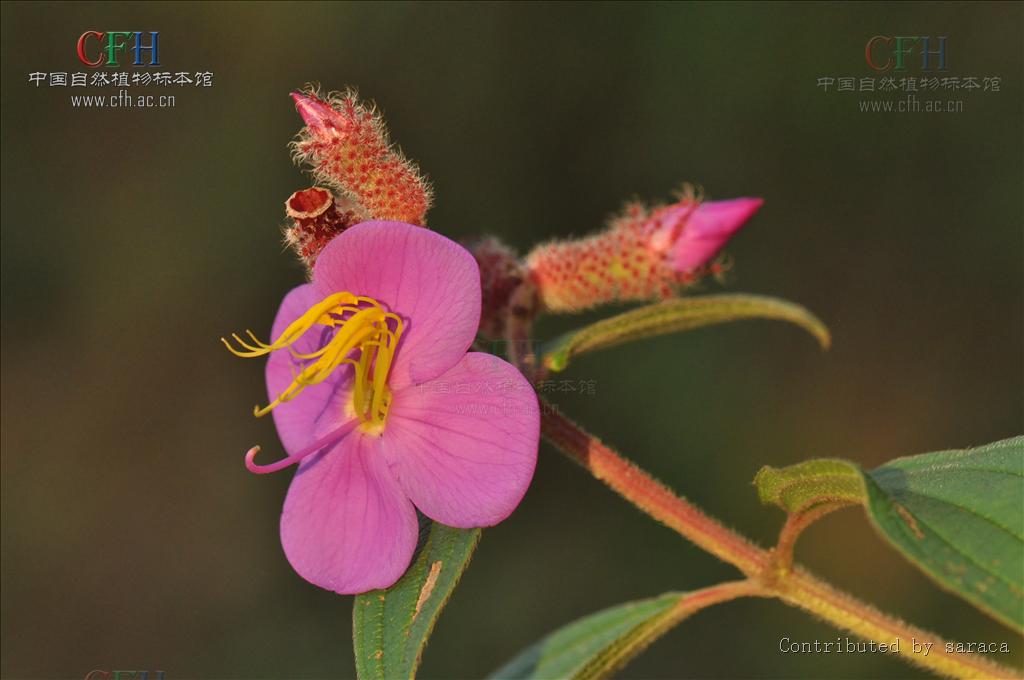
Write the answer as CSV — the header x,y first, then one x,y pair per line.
x,y
346,525
710,226
464,445
430,281
317,410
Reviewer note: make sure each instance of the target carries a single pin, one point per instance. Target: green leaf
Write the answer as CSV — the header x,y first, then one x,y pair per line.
x,y
956,515
671,316
798,488
391,627
597,645
959,516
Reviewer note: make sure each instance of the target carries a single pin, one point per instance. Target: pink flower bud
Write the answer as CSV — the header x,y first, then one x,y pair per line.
x,y
708,228
644,254
317,115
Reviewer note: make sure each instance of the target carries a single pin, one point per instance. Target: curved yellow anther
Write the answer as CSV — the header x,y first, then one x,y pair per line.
x,y
361,325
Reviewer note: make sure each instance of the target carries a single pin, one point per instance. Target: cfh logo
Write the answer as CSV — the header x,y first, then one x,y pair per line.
x,y
884,53
103,48
123,675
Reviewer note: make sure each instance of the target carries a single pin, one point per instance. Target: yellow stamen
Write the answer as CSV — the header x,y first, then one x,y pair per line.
x,y
361,326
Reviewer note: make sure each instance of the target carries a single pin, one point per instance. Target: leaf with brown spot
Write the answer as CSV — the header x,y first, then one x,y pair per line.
x,y
959,517
956,515
428,587
390,627
910,522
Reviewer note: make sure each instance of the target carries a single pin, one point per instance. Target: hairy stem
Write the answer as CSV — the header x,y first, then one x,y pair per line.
x,y
803,590
794,586
795,524
619,655
688,605
650,495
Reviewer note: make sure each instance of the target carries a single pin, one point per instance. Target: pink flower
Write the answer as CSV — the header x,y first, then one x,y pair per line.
x,y
378,402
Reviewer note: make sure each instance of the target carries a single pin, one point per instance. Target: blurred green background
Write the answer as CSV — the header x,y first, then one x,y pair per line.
x,y
133,537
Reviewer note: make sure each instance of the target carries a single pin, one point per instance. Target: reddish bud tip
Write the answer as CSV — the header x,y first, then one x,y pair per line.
x,y
308,203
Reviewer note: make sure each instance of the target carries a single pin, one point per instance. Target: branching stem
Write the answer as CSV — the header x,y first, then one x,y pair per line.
x,y
792,585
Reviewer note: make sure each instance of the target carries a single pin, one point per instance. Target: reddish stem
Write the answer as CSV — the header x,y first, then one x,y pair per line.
x,y
796,587
795,524
650,495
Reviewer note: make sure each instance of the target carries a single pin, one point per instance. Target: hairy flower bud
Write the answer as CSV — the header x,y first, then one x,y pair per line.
x,y
643,254
346,144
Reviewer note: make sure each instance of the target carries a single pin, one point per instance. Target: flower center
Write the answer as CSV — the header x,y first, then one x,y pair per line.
x,y
365,337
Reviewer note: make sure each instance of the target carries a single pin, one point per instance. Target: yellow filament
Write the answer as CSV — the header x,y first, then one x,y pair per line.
x,y
361,326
